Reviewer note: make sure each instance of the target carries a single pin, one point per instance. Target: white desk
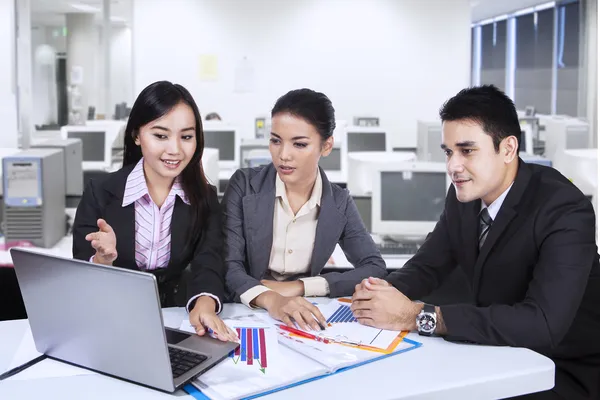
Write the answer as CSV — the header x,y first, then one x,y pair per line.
x,y
64,249
438,369
341,262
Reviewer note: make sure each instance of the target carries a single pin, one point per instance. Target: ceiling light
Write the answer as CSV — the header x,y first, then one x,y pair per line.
x,y
85,8
545,6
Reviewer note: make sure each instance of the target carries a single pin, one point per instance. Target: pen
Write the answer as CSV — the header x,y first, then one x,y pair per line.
x,y
321,338
303,334
22,367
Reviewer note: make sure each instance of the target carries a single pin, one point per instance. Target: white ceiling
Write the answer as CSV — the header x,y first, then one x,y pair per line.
x,y
52,12
484,9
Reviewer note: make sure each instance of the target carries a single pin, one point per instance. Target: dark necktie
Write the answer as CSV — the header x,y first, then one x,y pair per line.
x,y
485,222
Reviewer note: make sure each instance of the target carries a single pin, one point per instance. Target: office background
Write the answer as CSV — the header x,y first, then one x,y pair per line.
x,y
72,69
397,60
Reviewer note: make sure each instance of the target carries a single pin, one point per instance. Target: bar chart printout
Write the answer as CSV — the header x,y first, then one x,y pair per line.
x,y
253,348
342,314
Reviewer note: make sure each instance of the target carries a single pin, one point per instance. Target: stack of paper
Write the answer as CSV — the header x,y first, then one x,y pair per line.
x,y
270,358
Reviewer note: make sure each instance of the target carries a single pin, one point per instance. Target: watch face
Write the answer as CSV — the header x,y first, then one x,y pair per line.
x,y
426,323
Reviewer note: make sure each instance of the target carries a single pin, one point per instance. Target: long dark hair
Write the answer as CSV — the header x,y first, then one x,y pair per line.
x,y
152,103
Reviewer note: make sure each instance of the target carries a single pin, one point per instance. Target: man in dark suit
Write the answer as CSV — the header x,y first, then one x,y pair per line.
x,y
524,236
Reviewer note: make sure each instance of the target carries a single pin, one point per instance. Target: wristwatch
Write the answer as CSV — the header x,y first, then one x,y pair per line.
x,y
426,320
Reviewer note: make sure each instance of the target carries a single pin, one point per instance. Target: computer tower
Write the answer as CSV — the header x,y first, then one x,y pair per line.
x,y
73,156
34,197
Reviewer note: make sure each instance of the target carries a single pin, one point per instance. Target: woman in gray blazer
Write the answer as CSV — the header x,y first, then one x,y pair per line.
x,y
282,221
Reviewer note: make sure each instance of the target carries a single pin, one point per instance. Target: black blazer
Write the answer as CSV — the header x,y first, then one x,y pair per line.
x,y
535,281
248,207
103,198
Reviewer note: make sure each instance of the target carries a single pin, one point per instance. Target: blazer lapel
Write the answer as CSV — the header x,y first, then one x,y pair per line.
x,y
470,215
258,220
123,218
330,225
124,231
504,217
179,231
508,211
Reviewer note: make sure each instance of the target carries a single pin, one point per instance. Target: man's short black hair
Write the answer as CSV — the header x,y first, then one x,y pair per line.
x,y
488,106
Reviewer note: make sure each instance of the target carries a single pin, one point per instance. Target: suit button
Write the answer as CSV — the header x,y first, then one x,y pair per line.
x,y
290,251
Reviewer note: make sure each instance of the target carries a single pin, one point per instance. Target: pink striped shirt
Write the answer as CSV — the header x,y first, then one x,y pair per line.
x,y
152,224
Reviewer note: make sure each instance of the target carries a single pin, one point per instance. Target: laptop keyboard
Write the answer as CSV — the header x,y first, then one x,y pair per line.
x,y
182,361
393,248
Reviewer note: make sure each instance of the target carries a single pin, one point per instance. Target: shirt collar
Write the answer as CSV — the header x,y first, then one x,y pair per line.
x,y
315,196
136,187
494,208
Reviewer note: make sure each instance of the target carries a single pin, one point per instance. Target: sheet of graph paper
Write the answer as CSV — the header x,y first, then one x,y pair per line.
x,y
259,364
342,324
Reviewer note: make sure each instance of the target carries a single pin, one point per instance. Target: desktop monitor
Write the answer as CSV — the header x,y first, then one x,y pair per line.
x,y
526,140
258,157
210,165
336,163
429,139
117,127
565,133
333,162
408,198
535,159
366,139
223,138
580,166
362,166
96,144
247,146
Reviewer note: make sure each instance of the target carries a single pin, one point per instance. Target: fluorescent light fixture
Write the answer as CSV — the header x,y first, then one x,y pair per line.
x,y
539,7
486,21
545,6
85,7
524,11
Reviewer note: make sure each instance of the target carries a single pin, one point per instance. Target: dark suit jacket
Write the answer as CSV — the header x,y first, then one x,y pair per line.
x,y
248,207
535,281
103,198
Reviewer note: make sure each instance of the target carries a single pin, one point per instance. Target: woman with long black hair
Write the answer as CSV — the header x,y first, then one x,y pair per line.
x,y
158,213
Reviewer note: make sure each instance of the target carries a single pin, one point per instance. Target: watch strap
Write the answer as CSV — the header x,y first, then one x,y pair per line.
x,y
429,308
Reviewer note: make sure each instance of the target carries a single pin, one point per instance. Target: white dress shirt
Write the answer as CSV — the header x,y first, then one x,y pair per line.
x,y
293,242
495,206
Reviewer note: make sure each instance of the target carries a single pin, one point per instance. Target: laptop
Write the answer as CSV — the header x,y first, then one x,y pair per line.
x,y
109,320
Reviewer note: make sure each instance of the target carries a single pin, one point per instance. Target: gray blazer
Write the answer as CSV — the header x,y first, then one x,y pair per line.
x,y
248,206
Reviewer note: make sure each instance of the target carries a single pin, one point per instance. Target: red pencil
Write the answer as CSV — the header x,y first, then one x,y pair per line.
x,y
302,333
